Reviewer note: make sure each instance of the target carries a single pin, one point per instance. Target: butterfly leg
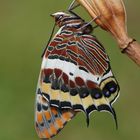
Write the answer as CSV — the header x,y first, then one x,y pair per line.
x,y
72,6
88,23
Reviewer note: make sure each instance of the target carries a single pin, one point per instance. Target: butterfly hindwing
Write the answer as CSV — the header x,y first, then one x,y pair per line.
x,y
78,71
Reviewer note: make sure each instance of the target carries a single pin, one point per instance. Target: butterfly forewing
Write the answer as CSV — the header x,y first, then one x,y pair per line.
x,y
75,76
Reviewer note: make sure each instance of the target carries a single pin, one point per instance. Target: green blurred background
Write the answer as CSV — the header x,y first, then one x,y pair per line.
x,y
25,27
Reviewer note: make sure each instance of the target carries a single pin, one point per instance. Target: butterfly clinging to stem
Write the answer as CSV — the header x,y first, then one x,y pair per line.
x,y
75,76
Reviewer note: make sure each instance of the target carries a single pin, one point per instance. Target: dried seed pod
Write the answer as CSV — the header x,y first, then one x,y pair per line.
x,y
112,18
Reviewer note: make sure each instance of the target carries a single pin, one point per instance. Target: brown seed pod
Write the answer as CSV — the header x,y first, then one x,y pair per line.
x,y
112,18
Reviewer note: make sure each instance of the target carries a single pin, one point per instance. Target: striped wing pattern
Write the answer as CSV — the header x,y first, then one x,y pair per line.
x,y
75,76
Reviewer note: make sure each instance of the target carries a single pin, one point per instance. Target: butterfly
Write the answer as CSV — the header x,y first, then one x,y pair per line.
x,y
75,76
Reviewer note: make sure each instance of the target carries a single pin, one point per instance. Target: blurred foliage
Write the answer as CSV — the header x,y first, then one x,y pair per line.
x,y
25,27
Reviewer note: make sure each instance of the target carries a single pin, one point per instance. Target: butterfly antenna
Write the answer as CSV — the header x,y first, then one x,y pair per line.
x,y
49,40
90,22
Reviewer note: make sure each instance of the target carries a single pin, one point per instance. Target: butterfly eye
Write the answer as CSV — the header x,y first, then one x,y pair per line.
x,y
60,17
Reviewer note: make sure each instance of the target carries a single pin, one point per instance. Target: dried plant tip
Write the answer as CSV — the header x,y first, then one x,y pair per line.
x,y
112,18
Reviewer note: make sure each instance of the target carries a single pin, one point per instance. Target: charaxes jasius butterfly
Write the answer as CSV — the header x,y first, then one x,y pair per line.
x,y
75,76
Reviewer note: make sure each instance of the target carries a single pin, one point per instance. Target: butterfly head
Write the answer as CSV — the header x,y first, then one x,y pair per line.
x,y
59,16
64,19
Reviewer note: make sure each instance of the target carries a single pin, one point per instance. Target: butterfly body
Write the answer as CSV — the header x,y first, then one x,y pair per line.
x,y
75,76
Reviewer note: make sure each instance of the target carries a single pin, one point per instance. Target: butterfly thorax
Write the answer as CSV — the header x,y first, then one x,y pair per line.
x,y
74,23
77,30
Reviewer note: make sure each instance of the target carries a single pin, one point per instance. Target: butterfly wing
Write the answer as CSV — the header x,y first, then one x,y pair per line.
x,y
106,88
78,74
75,76
106,80
49,120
